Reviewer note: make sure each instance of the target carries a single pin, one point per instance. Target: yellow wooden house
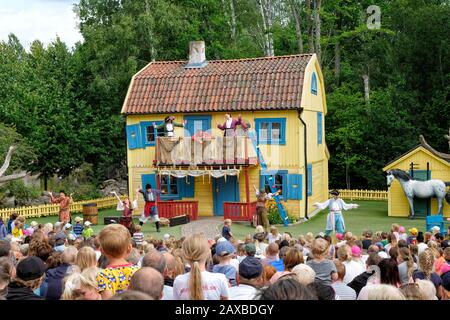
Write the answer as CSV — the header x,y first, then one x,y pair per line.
x,y
281,99
421,164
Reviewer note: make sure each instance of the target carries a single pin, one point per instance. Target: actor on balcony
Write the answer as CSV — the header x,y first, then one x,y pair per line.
x,y
169,125
230,124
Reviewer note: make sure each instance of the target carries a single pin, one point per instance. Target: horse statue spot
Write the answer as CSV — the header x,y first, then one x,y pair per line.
x,y
420,189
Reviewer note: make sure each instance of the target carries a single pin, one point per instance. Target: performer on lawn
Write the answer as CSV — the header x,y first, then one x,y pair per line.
x,y
151,207
169,125
64,206
127,208
261,210
335,220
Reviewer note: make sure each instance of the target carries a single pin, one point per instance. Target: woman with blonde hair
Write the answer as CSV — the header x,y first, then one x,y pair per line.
x,y
86,258
426,271
82,286
199,284
406,265
384,292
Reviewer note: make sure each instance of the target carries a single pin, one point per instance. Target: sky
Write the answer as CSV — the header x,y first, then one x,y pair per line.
x,y
39,19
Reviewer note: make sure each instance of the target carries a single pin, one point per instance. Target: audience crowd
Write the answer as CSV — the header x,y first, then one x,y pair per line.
x,y
65,262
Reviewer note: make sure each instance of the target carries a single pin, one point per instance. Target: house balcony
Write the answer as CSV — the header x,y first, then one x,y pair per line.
x,y
206,150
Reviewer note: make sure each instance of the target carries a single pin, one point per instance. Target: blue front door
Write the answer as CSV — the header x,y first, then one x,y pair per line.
x,y
197,123
224,191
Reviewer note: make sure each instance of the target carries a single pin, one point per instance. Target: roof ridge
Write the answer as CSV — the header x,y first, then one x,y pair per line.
x,y
238,60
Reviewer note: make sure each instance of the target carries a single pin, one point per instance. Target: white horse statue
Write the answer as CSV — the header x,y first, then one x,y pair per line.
x,y
420,189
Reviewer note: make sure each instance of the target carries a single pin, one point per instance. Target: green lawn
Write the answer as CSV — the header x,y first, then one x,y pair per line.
x,y
370,215
149,229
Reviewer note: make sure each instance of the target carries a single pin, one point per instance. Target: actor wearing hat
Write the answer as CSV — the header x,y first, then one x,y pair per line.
x,y
169,125
29,275
335,220
151,205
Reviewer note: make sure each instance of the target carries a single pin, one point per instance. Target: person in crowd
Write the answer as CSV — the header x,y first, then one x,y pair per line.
x,y
82,286
445,286
224,252
427,288
87,231
138,235
169,274
421,244
335,220
272,257
406,265
287,289
324,268
115,245
402,234
305,274
226,229
60,241
274,235
131,295
426,267
412,238
29,276
342,290
10,223
367,239
148,280
353,264
388,275
86,258
78,227
3,229
250,279
384,292
199,284
292,258
412,291
322,291
19,225
64,205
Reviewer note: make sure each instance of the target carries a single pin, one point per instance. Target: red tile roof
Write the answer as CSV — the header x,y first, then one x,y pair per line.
x,y
269,83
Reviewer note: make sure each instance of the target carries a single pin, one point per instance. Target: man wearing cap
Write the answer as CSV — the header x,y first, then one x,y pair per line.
x,y
250,279
88,231
60,242
224,253
29,275
335,220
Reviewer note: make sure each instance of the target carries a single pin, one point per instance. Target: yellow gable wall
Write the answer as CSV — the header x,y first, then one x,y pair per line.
x,y
398,204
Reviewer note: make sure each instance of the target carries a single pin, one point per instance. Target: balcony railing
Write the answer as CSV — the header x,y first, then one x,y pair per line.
x,y
239,211
170,209
205,150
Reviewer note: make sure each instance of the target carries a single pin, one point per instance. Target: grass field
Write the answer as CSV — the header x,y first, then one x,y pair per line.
x,y
370,215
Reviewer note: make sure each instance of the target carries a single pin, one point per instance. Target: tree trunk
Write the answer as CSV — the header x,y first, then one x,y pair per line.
x,y
233,21
266,11
317,6
45,181
366,86
296,12
150,34
337,61
347,176
5,167
309,26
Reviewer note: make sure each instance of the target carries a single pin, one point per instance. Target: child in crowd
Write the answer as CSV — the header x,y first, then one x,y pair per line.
x,y
384,238
199,284
3,229
325,269
402,233
224,252
367,240
138,235
274,235
78,227
395,230
87,231
115,245
226,230
68,230
411,240
19,225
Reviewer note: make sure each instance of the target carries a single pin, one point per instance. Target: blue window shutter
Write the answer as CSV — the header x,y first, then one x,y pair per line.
x,y
150,179
261,181
134,136
310,182
314,84
295,189
319,128
187,188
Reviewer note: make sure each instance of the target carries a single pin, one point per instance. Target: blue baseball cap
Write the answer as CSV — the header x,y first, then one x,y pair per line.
x,y
224,248
250,268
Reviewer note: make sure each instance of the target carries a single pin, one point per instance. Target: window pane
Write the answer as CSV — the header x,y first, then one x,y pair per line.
x,y
150,134
263,131
276,131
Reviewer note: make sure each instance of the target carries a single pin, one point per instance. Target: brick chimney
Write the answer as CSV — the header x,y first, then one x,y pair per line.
x,y
197,56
